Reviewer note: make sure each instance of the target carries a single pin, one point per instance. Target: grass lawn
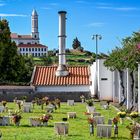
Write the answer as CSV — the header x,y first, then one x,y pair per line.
x,y
78,128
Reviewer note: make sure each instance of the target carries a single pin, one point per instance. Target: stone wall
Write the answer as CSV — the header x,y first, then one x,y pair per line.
x,y
9,95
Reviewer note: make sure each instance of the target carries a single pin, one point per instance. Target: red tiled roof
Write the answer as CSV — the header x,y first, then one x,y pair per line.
x,y
45,76
15,35
31,46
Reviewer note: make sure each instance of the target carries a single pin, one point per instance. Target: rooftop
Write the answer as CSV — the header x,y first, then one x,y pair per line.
x,y
45,76
31,46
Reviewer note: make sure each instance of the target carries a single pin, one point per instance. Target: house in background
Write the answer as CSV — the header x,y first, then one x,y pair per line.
x,y
30,44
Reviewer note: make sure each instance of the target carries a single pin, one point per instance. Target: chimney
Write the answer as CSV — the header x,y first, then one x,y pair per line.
x,y
62,70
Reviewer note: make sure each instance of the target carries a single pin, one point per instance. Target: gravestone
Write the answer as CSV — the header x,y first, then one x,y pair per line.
x,y
49,109
1,109
4,121
110,121
27,107
35,121
71,114
61,128
99,119
104,130
137,134
95,114
90,109
70,102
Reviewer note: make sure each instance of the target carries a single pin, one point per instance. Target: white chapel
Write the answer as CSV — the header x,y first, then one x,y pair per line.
x,y
30,44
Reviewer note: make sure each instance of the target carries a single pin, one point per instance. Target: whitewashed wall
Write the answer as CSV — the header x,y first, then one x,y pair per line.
x,y
25,41
81,88
105,81
93,79
116,86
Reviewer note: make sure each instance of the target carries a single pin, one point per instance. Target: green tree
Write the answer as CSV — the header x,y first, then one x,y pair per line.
x,y
125,57
76,43
12,64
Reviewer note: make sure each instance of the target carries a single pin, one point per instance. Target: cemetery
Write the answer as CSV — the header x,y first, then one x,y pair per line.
x,y
20,120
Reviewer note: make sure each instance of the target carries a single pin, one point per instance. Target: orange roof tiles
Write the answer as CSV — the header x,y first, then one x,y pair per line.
x,y
45,76
15,35
31,46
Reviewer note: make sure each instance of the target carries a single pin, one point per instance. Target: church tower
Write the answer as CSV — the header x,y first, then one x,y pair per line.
x,y
35,33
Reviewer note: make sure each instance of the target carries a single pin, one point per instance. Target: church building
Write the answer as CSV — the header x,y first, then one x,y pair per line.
x,y
30,44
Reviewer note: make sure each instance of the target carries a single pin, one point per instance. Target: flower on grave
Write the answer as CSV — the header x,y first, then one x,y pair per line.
x,y
46,117
134,114
82,97
121,114
89,102
133,129
91,121
16,116
87,113
115,120
4,103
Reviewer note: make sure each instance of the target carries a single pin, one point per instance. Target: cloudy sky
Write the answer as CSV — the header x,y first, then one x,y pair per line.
x,y
113,19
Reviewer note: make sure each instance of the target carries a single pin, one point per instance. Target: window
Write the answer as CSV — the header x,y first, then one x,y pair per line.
x,y
35,49
29,49
38,49
32,49
28,43
20,49
21,43
38,54
42,49
35,54
26,49
35,36
23,49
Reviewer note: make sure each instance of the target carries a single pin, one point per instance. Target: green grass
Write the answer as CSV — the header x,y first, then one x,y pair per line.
x,y
78,128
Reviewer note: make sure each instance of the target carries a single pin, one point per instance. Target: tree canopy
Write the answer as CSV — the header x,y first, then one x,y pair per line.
x,y
126,56
12,65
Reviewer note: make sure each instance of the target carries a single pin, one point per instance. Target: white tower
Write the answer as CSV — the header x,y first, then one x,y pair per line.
x,y
35,33
61,70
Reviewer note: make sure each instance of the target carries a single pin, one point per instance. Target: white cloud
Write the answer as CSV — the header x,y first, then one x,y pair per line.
x,y
96,24
118,8
12,15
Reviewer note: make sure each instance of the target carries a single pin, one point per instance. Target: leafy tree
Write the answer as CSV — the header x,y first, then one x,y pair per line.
x,y
76,43
12,64
125,57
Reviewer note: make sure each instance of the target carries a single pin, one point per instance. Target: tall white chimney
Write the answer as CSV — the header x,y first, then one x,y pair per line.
x,y
62,70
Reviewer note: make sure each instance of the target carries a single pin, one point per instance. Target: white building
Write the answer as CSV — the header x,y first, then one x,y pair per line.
x,y
29,44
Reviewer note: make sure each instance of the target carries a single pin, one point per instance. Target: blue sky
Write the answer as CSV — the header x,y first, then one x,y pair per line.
x,y
113,19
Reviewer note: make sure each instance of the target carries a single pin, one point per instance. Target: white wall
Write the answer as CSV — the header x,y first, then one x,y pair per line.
x,y
25,41
105,81
81,88
93,79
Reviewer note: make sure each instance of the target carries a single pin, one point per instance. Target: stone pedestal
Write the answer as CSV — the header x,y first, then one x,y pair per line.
x,y
99,119
104,130
61,128
35,121
71,114
90,109
70,102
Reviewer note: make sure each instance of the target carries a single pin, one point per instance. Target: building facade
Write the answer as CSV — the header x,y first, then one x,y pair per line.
x,y
30,44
